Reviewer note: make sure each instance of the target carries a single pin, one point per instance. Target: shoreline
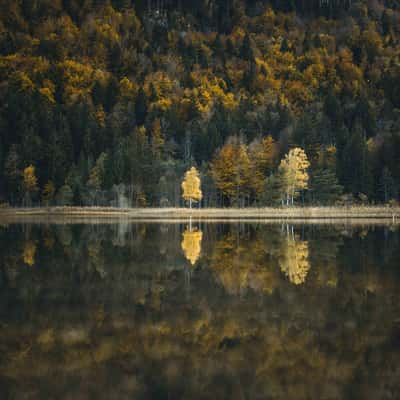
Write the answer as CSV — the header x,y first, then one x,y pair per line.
x,y
303,213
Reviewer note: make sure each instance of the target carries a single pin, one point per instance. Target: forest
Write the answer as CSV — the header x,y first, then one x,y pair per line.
x,y
110,102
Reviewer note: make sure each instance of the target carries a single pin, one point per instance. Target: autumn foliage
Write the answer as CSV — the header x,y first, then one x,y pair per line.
x,y
112,101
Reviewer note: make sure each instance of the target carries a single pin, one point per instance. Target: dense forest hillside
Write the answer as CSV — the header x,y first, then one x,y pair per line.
x,y
110,102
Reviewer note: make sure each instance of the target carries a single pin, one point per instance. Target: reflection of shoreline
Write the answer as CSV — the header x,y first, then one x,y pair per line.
x,y
112,220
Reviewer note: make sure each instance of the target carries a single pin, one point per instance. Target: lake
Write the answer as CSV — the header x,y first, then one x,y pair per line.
x,y
227,310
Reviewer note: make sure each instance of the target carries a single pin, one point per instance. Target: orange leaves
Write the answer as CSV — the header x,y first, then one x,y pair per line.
x,y
298,94
231,170
78,79
128,89
208,90
25,83
48,90
162,90
314,75
239,171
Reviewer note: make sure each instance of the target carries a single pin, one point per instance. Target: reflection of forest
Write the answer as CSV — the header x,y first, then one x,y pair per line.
x,y
101,312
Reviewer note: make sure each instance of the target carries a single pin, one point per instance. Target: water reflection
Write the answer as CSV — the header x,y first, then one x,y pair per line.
x,y
294,261
191,244
275,311
29,253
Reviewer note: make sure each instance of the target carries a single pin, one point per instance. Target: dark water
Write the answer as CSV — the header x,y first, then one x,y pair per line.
x,y
224,311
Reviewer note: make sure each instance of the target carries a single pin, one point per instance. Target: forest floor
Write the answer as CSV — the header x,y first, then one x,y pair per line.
x,y
292,213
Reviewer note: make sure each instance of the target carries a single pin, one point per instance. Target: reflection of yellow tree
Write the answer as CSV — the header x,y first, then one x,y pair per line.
x,y
191,244
29,253
242,265
294,262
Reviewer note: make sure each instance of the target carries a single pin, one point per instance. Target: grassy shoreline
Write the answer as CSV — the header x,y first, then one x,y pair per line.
x,y
372,212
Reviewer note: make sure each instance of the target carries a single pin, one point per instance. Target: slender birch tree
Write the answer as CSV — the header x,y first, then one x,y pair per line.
x,y
293,169
191,186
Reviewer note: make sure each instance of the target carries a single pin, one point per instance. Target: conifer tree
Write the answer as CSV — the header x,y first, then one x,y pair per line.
x,y
325,186
48,193
12,173
141,107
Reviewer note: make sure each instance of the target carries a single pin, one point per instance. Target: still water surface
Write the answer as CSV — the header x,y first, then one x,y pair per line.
x,y
218,311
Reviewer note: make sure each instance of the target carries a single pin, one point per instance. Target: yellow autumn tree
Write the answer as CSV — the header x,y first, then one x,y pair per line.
x,y
293,169
29,182
263,155
191,186
231,171
191,244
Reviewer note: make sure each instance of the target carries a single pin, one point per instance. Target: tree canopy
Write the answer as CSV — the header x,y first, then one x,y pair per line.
x,y
111,101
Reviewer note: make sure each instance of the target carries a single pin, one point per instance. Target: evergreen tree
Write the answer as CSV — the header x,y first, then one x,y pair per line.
x,y
355,167
387,185
13,173
141,107
48,193
324,186
246,51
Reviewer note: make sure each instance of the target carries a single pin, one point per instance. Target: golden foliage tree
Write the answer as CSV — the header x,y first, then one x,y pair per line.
x,y
263,156
231,171
191,244
191,186
29,182
293,169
